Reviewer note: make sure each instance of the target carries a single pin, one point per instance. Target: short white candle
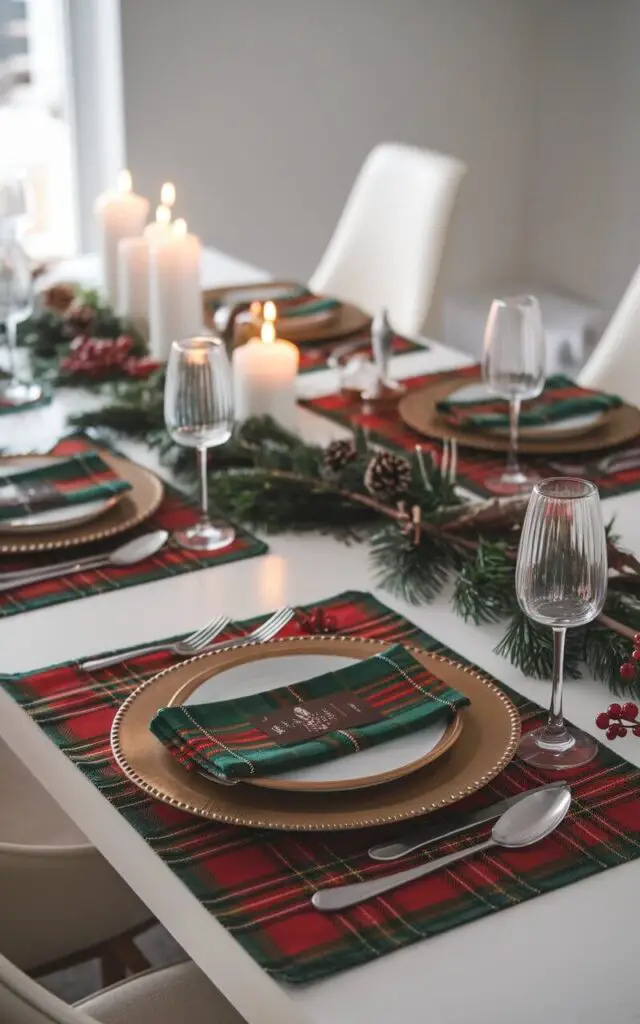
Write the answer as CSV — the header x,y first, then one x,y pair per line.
x,y
121,214
175,293
264,373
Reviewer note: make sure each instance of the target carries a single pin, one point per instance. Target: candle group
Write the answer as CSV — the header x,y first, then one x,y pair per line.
x,y
151,276
264,373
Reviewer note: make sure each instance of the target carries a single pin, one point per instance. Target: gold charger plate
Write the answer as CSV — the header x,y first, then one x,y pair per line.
x,y
489,737
132,508
418,410
345,320
260,651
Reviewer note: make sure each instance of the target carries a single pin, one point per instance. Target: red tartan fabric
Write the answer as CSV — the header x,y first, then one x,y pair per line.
x,y
175,513
314,356
387,429
258,883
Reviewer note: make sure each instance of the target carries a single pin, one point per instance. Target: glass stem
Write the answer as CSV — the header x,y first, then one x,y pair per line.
x,y
555,722
513,469
11,330
204,493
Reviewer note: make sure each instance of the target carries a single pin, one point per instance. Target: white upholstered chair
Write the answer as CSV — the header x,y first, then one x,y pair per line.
x,y
60,901
614,365
387,248
171,995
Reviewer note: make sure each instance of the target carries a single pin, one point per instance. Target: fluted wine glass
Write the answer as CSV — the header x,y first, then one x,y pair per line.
x,y
16,300
198,413
561,582
513,367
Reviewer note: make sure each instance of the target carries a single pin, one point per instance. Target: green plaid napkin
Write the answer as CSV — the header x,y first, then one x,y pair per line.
x,y
356,707
73,481
560,400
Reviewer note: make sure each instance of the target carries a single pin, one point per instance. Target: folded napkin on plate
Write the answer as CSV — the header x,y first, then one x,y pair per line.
x,y
560,400
72,481
304,724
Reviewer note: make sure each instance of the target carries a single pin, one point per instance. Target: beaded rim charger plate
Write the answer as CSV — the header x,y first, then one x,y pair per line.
x,y
132,508
373,766
487,742
345,320
418,410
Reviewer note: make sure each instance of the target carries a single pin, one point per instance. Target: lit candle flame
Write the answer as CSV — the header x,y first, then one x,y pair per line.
x,y
163,215
168,194
125,183
268,330
180,226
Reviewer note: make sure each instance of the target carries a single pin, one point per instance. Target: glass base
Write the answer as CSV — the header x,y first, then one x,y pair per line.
x,y
509,484
205,536
569,748
16,392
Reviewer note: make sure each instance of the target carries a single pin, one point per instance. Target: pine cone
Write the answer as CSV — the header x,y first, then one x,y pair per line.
x,y
58,298
78,320
387,476
337,455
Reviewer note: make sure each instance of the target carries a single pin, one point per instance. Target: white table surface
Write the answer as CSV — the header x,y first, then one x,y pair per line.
x,y
569,956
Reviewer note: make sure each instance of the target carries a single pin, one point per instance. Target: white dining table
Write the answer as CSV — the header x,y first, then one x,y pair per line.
x,y
568,957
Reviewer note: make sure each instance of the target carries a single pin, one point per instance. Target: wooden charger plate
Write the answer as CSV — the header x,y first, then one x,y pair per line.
x,y
418,410
132,508
490,734
346,320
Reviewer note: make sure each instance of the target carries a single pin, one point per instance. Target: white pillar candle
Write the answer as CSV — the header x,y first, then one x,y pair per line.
x,y
133,279
121,214
264,373
175,294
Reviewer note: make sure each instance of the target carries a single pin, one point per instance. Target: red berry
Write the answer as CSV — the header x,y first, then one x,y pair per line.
x,y
614,710
636,730
636,639
602,720
628,670
612,732
630,711
635,654
622,730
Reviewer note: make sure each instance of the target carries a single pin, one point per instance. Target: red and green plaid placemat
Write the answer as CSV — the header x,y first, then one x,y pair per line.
x,y
385,427
259,883
175,513
314,355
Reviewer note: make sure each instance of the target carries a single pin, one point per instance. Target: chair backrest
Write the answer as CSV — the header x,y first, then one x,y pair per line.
x,y
614,365
387,247
23,1001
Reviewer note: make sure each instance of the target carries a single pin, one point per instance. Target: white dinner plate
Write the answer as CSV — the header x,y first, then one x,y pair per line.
x,y
53,518
571,425
366,768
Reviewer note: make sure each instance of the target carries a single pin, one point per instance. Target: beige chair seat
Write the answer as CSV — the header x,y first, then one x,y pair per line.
x,y
173,995
59,896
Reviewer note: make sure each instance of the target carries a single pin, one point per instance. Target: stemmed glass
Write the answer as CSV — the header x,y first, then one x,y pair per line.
x,y
513,367
16,300
561,581
198,413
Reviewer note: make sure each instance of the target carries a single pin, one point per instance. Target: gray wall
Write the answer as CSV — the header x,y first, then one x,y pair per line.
x,y
262,111
584,207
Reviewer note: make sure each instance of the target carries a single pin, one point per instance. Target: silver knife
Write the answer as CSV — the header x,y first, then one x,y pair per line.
x,y
445,827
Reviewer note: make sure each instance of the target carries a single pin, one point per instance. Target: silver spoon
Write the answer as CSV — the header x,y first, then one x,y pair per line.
x,y
126,554
525,823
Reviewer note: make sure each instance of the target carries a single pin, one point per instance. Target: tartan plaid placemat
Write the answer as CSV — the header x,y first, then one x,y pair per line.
x,y
175,513
259,883
314,355
385,428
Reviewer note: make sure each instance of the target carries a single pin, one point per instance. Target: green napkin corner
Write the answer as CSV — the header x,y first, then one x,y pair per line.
x,y
73,481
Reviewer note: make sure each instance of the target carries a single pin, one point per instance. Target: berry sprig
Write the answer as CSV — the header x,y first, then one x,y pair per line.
x,y
618,719
628,668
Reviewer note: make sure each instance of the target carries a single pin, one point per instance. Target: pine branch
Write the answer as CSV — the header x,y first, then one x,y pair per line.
x,y
414,572
485,587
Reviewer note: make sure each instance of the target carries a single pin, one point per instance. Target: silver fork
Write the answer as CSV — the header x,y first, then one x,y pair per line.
x,y
264,632
191,644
